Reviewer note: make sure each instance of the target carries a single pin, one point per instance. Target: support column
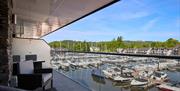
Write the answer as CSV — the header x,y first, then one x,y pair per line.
x,y
5,41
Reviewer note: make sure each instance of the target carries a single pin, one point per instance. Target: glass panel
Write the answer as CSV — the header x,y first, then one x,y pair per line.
x,y
115,72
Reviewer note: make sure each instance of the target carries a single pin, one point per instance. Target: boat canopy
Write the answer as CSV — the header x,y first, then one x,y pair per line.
x,y
37,18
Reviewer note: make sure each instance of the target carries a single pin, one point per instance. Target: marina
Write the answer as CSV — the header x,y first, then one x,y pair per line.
x,y
125,73
100,84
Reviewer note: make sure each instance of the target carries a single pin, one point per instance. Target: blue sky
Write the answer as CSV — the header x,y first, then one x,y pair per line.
x,y
147,20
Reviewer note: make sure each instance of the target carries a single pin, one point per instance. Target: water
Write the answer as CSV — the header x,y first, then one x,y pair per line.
x,y
96,84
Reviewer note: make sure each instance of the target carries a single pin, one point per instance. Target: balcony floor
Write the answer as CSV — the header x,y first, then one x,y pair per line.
x,y
63,83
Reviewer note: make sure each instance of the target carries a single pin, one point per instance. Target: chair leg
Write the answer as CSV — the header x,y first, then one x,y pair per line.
x,y
52,83
44,88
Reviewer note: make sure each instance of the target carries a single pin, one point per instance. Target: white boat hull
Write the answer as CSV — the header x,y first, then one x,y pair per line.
x,y
122,79
168,87
138,83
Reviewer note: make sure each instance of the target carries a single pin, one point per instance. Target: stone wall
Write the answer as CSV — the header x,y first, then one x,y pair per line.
x,y
5,41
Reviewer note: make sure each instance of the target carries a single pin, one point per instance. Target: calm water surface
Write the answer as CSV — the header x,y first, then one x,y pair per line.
x,y
96,84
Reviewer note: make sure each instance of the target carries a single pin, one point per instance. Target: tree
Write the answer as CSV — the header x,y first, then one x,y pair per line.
x,y
171,42
120,39
111,46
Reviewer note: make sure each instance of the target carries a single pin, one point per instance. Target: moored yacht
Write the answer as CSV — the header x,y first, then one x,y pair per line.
x,y
169,87
123,78
97,73
64,64
159,76
110,72
139,82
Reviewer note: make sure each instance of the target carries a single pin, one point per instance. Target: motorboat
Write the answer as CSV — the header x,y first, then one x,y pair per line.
x,y
97,73
64,64
98,76
169,87
146,74
111,72
124,77
139,82
159,76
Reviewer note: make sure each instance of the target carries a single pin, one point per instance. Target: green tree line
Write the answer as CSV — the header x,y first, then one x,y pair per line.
x,y
111,46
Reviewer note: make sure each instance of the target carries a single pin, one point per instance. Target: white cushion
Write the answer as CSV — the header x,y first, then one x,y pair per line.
x,y
46,76
26,67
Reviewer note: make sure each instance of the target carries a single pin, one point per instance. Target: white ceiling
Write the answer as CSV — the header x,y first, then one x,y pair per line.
x,y
41,17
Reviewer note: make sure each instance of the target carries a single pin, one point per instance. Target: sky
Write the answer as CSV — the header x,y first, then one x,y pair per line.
x,y
145,20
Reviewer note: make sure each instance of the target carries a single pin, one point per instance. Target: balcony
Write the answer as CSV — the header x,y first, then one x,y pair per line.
x,y
82,66
64,83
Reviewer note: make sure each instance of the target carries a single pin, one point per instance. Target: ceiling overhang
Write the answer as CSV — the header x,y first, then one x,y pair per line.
x,y
37,18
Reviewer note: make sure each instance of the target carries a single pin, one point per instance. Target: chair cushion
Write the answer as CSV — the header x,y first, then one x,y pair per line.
x,y
46,76
26,67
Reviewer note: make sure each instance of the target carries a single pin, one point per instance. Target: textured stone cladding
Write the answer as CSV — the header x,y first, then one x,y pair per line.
x,y
5,41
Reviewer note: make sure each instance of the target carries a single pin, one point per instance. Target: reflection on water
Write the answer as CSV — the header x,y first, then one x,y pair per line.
x,y
85,77
98,79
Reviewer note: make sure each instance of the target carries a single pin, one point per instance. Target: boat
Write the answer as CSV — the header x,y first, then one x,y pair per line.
x,y
64,64
177,67
97,73
124,77
110,73
139,82
169,87
146,74
98,79
159,76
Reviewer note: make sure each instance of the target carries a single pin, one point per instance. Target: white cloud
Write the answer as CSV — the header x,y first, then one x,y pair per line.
x,y
133,15
89,33
149,24
152,35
